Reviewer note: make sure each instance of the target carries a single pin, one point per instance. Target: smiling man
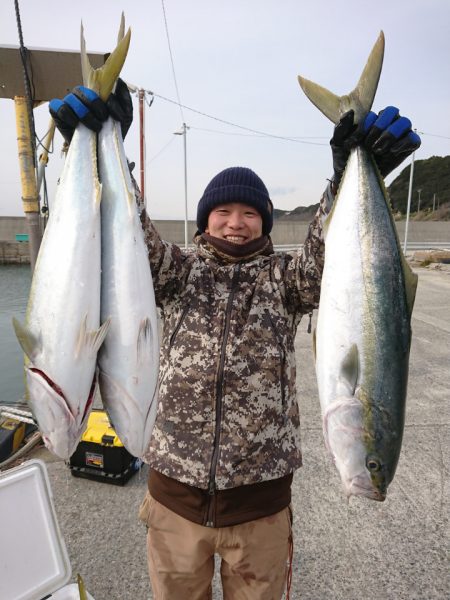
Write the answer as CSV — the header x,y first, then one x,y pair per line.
x,y
227,435
234,222
235,206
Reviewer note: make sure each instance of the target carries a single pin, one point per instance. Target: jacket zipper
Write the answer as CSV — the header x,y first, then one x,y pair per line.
x,y
219,389
177,328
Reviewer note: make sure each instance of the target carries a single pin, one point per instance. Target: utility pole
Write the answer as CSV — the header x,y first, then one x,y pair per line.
x,y
141,97
418,205
434,201
408,209
182,132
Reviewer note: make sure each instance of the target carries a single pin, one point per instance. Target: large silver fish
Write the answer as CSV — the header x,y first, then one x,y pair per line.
x,y
363,334
129,358
62,332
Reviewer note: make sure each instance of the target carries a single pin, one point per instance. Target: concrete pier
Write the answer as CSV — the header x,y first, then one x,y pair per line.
x,y
356,550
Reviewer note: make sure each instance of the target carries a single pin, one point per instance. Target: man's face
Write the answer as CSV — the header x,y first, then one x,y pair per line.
x,y
235,222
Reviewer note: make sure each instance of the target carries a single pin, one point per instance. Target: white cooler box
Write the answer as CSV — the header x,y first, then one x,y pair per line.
x,y
34,563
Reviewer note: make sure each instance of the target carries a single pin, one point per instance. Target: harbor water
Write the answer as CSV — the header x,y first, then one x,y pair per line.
x,y
15,283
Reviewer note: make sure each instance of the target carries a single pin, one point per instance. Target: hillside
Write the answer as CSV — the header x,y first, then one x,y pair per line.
x,y
431,177
301,213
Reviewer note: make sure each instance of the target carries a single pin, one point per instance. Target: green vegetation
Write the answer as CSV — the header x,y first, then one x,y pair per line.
x,y
432,178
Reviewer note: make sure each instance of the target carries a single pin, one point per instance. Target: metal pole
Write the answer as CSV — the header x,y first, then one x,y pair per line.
x,y
43,158
185,189
182,132
405,245
141,95
30,198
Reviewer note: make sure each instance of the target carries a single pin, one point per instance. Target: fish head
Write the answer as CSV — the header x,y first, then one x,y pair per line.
x,y
362,472
59,428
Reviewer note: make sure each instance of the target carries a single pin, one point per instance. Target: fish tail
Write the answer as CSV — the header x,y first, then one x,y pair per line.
x,y
360,100
102,80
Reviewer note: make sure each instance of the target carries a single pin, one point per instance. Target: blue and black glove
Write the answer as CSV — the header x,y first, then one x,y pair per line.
x,y
388,136
85,106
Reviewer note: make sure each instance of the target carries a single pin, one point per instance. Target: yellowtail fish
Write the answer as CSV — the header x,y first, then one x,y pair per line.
x,y
363,334
62,331
129,358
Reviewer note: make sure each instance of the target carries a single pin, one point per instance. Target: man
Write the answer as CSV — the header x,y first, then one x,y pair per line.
x,y
226,441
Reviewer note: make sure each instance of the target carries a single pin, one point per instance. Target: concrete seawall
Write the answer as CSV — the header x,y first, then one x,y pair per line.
x,y
284,232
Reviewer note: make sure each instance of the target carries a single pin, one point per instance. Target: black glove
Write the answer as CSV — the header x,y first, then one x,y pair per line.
x,y
85,106
388,136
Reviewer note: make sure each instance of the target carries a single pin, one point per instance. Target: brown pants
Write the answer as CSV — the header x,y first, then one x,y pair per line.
x,y
255,555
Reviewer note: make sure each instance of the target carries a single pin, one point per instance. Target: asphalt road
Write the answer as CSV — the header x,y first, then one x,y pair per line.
x,y
356,550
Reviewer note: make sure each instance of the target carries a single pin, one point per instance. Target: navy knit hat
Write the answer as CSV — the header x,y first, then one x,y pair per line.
x,y
236,184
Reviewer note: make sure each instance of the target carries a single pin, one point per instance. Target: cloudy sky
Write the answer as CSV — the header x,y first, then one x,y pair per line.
x,y
237,61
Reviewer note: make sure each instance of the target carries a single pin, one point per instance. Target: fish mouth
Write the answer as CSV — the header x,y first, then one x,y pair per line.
x,y
361,485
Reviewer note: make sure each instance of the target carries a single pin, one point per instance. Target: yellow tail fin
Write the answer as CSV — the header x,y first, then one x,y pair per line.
x,y
360,99
102,80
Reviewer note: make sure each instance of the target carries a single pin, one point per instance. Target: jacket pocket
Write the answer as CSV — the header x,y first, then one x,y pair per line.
x,y
282,361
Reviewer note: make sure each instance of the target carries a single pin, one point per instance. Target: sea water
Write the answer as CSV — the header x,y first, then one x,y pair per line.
x,y
15,283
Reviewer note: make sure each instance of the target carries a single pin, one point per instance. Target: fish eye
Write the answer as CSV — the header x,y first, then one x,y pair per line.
x,y
373,464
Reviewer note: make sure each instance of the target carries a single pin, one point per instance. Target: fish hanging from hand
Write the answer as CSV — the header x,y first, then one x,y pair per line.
x,y
363,334
62,332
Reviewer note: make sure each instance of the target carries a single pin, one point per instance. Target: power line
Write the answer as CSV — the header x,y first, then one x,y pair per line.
x,y
445,137
293,138
172,62
155,156
258,132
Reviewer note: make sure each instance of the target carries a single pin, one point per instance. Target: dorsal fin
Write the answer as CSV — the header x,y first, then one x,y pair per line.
x,y
360,99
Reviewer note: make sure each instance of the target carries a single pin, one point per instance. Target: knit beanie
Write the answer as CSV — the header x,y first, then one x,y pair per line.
x,y
236,184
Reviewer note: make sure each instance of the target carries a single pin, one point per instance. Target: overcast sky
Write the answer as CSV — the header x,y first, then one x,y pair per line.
x,y
238,61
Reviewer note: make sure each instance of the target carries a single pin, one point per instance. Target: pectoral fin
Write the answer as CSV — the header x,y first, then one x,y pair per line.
x,y
90,341
349,370
30,343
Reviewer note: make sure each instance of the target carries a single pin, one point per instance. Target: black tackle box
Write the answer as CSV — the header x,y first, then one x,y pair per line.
x,y
100,455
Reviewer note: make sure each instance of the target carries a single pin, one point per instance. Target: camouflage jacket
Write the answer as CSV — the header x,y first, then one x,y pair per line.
x,y
227,413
